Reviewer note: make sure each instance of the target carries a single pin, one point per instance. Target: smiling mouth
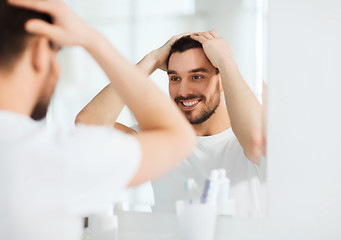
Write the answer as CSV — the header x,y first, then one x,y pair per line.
x,y
189,104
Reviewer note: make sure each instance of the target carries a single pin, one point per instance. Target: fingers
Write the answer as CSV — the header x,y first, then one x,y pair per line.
x,y
40,27
214,34
204,36
182,35
67,29
207,35
39,6
177,37
199,38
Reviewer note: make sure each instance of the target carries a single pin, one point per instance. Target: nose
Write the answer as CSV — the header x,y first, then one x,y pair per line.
x,y
185,88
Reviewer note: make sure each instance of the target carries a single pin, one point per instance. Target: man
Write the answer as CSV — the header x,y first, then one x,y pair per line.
x,y
51,178
201,68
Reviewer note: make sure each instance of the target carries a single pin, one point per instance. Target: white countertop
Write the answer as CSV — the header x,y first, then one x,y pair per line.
x,y
164,226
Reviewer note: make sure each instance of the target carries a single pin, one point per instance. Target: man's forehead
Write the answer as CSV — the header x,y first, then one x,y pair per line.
x,y
192,60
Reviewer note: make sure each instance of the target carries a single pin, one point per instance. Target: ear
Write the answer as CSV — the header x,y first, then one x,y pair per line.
x,y
40,56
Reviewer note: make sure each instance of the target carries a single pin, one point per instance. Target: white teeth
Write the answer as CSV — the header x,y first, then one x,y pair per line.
x,y
188,104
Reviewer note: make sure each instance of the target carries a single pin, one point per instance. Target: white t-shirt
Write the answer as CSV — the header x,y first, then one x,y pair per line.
x,y
50,178
213,152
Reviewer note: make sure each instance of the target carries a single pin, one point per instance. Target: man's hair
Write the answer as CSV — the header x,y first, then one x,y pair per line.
x,y
183,44
13,37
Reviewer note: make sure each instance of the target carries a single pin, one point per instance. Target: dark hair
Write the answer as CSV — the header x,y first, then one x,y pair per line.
x,y
13,37
183,44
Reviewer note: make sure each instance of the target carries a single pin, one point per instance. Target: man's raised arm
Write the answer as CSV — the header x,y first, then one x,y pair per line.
x,y
243,107
106,106
166,138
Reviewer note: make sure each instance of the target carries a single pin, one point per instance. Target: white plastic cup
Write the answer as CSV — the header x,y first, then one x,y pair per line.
x,y
196,221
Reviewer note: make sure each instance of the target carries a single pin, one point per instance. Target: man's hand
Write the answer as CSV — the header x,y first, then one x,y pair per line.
x,y
67,29
158,57
216,49
161,54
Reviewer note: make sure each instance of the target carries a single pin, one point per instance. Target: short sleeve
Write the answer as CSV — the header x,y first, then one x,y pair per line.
x,y
100,162
136,128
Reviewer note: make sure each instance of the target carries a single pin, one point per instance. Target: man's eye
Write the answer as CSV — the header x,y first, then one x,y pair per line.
x,y
174,79
197,77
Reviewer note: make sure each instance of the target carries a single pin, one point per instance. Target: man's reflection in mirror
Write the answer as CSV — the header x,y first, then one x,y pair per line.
x,y
206,85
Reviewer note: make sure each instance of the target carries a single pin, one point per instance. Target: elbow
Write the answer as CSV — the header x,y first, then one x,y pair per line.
x,y
254,149
78,118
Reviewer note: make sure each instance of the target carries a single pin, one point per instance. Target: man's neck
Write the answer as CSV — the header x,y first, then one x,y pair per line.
x,y
14,96
217,123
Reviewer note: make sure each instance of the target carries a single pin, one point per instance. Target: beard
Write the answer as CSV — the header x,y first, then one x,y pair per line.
x,y
204,114
206,111
40,110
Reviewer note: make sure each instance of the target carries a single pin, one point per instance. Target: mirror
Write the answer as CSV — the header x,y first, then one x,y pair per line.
x,y
135,28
